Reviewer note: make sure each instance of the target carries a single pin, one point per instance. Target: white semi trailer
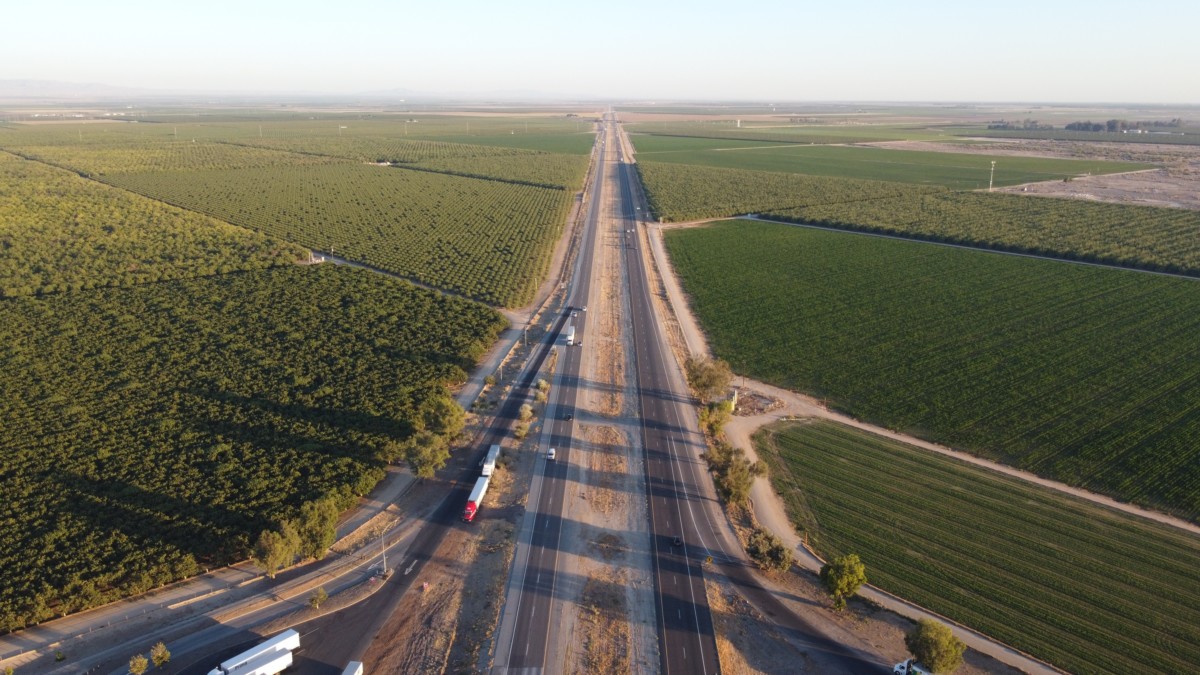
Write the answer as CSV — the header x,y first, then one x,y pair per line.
x,y
242,664
489,463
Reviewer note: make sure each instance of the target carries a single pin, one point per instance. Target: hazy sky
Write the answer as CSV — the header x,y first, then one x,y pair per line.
x,y
1095,51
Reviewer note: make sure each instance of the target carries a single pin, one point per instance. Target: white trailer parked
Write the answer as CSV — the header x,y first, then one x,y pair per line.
x,y
238,665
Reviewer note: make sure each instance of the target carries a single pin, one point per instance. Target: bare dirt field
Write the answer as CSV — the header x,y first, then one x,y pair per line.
x,y
1175,185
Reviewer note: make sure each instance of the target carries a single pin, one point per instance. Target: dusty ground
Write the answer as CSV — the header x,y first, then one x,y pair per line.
x,y
442,624
1176,185
1146,188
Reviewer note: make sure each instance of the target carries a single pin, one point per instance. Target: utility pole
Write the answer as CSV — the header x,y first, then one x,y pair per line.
x,y
383,552
991,176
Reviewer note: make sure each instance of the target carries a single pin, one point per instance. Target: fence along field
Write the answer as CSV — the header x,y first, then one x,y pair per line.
x,y
485,239
1143,237
154,431
60,232
1084,375
953,170
1083,587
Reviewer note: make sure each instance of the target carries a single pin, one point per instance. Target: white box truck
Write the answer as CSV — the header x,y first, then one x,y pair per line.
x,y
570,335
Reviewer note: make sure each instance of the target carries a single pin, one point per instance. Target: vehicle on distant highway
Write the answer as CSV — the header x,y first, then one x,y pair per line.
x,y
677,542
569,416
550,454
570,335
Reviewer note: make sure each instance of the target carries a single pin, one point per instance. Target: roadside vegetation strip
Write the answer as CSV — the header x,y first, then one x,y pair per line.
x,y
60,232
483,239
955,170
1143,237
155,431
1084,375
1081,586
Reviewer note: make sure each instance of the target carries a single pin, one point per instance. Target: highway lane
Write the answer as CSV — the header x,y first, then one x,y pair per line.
x,y
526,630
682,501
687,641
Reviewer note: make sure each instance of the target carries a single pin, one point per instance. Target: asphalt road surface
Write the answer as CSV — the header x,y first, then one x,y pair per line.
x,y
524,639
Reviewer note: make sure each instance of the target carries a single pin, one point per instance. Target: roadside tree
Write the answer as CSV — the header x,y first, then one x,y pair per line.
x,y
160,655
842,577
275,550
934,645
709,378
317,527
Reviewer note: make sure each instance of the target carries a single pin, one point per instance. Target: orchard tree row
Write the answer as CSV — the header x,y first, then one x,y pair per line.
x,y
153,432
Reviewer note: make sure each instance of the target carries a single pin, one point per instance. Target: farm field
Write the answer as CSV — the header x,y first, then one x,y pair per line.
x,y
1083,587
60,232
98,159
681,192
1084,375
1190,137
479,161
785,132
1143,237
154,431
956,171
484,239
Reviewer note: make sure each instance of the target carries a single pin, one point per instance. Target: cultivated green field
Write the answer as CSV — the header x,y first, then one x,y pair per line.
x,y
479,161
1081,586
154,431
959,171
60,232
1189,137
680,192
1144,237
485,239
1130,236
96,159
1084,375
784,132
